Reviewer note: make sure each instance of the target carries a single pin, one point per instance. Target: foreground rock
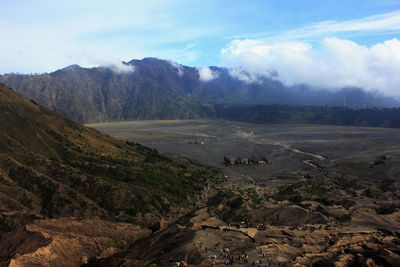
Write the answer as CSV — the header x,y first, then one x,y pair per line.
x,y
216,243
66,242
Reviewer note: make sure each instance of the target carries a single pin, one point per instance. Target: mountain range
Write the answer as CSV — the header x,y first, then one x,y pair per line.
x,y
159,89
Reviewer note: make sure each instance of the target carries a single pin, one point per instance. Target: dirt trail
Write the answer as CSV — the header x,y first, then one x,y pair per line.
x,y
253,140
295,150
308,162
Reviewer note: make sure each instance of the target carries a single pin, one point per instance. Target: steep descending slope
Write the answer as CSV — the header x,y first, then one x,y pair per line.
x,y
158,89
53,167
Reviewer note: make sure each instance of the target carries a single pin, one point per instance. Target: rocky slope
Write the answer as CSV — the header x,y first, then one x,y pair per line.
x,y
279,233
159,89
66,242
52,167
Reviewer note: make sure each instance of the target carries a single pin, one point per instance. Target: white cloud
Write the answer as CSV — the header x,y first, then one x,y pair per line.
x,y
337,63
387,22
247,58
178,67
106,61
245,75
206,74
381,23
332,63
121,67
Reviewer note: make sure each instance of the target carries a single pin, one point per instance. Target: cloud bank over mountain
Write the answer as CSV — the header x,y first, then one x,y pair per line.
x,y
336,63
206,74
179,68
326,44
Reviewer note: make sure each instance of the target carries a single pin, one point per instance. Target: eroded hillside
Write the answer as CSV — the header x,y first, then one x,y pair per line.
x,y
52,167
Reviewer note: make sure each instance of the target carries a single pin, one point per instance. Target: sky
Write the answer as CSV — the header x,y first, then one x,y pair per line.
x,y
329,44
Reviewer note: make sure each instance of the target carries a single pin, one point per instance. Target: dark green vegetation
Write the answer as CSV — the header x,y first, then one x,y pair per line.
x,y
372,117
51,166
158,89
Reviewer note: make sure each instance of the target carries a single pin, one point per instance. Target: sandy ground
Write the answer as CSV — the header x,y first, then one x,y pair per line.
x,y
288,148
328,194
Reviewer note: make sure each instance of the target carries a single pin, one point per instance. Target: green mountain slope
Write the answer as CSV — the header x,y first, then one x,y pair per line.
x,y
158,89
51,166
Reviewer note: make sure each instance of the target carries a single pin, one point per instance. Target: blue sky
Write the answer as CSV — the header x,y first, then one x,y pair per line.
x,y
42,36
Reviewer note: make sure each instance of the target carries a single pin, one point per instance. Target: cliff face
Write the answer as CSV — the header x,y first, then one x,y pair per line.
x,y
158,89
153,91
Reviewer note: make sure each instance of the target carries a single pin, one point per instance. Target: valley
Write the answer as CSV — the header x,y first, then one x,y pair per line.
x,y
289,148
159,193
328,196
200,133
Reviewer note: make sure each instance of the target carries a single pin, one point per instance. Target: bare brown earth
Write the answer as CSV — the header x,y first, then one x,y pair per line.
x,y
66,242
329,196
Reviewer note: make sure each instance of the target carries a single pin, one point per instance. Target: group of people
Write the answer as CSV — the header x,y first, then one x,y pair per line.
x,y
226,256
